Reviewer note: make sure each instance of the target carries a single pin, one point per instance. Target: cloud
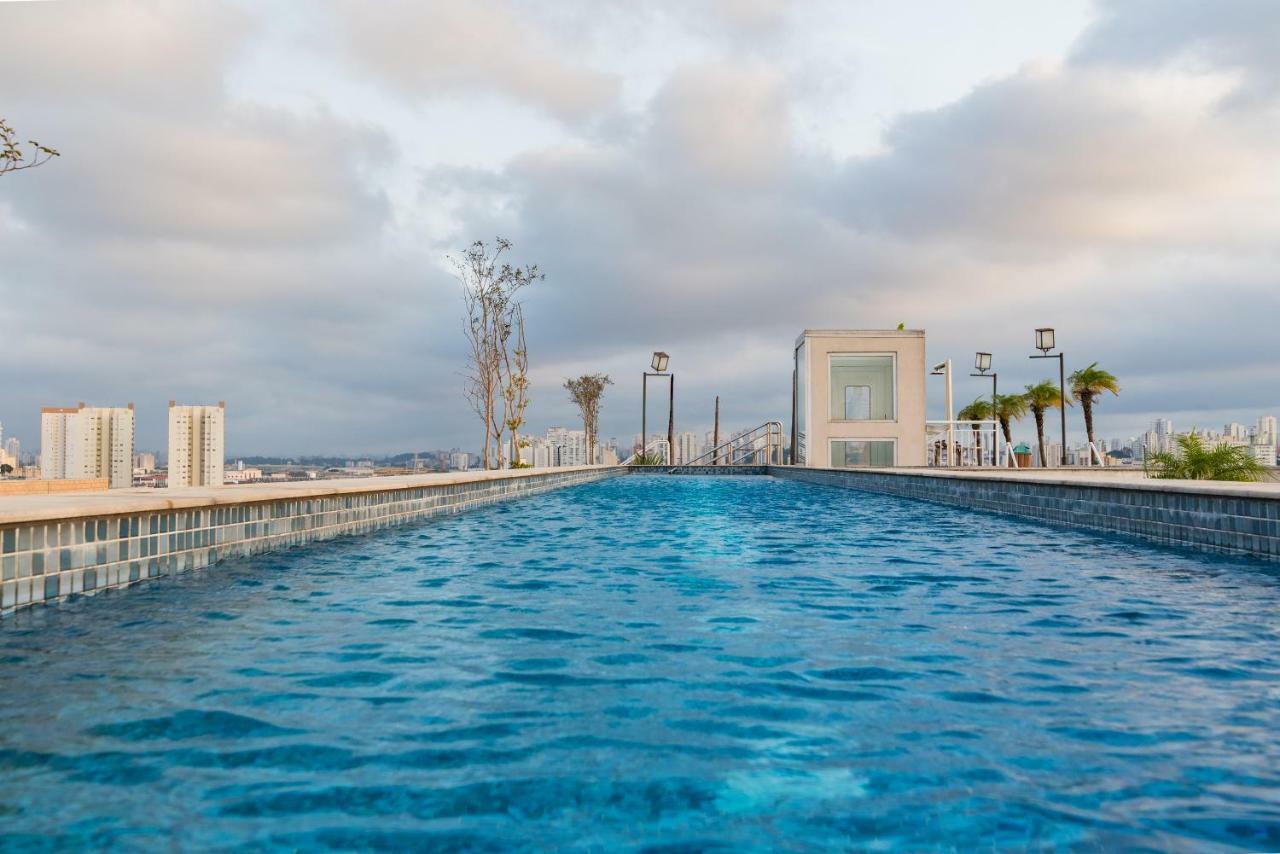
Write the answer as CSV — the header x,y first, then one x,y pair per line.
x,y
1064,160
426,50
1235,35
279,244
191,245
723,121
1114,203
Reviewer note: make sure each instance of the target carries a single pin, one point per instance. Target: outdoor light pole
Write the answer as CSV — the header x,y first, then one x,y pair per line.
x,y
1045,343
659,365
943,369
982,361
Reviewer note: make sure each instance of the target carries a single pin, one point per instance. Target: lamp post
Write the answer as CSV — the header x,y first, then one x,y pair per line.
x,y
1045,343
982,362
659,365
943,369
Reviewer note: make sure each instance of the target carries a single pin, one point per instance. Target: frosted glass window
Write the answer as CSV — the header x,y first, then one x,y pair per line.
x,y
857,402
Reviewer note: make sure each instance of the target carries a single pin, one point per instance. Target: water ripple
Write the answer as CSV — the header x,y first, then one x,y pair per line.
x,y
666,664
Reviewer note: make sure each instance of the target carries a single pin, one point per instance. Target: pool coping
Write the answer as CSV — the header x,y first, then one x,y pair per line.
x,y
54,547
17,509
1232,518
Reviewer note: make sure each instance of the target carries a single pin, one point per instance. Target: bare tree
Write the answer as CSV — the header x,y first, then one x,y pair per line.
x,y
489,286
12,156
586,392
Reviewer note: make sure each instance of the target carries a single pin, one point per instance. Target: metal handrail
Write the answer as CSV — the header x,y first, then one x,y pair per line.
x,y
645,451
998,454
773,447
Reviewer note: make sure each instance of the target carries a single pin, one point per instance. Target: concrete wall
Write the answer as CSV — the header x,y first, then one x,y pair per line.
x,y
1226,517
55,546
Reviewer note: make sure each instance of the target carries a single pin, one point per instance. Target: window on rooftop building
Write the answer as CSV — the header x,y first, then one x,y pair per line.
x,y
860,453
863,388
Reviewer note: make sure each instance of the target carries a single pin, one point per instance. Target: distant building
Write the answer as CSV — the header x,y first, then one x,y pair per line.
x,y
144,462
567,447
1265,454
54,428
13,448
1237,433
538,454
687,447
459,461
1266,430
197,445
859,398
87,442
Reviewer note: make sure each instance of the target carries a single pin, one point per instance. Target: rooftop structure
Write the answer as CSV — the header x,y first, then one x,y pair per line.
x,y
859,398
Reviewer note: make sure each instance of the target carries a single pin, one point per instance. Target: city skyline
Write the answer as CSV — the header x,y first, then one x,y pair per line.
x,y
255,203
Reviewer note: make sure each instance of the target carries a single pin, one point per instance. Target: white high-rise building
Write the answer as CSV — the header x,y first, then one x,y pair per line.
x,y
686,447
1267,430
1237,433
1265,454
101,445
93,442
197,444
53,440
567,447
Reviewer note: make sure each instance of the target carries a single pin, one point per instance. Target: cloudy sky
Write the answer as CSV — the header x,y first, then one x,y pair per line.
x,y
256,201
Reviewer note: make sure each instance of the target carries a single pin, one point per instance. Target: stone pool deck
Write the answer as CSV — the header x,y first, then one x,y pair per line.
x,y
52,546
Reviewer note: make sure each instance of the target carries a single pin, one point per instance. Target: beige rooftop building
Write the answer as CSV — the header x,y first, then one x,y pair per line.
x,y
859,398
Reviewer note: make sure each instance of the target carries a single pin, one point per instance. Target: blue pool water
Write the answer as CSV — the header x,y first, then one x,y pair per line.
x,y
675,663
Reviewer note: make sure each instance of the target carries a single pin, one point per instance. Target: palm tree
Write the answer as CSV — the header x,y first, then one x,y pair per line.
x,y
979,410
1087,384
1010,407
1040,398
1194,461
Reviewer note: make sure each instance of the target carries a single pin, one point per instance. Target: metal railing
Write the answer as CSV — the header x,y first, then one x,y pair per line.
x,y
758,446
656,443
967,444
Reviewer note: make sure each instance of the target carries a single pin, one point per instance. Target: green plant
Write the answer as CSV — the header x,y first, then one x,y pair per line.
x,y
521,464
1040,398
1196,461
12,156
649,458
1087,385
979,410
1010,407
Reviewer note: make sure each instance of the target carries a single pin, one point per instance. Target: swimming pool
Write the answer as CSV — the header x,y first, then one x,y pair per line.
x,y
740,662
